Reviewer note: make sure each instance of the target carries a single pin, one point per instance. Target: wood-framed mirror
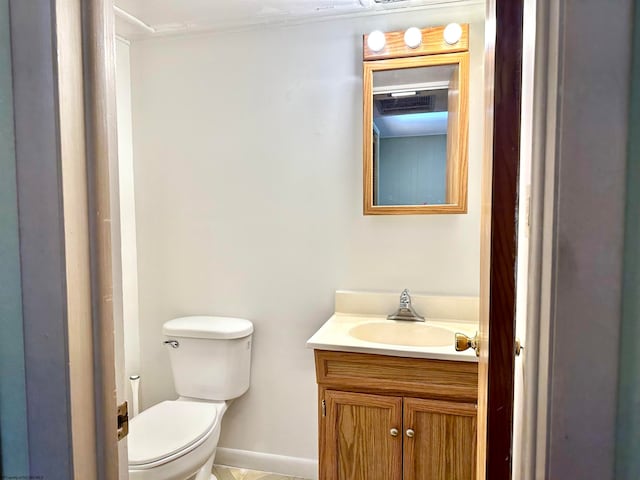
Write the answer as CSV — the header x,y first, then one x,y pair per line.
x,y
416,126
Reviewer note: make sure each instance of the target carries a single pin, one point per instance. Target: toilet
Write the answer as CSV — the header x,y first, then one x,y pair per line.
x,y
177,439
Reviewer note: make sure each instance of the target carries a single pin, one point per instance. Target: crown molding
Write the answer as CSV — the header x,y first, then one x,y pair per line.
x,y
145,31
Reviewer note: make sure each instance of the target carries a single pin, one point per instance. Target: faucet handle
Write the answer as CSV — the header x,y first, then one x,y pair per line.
x,y
405,299
405,310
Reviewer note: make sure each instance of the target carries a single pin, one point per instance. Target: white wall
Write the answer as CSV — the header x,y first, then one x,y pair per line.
x,y
127,215
248,154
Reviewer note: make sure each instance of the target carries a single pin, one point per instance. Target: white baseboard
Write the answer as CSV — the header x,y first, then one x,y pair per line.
x,y
267,462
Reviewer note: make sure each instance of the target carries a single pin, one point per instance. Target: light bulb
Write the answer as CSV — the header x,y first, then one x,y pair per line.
x,y
376,41
452,33
413,37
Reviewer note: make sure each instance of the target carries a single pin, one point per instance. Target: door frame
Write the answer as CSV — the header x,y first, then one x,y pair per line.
x,y
546,288
576,243
500,248
499,229
98,37
47,356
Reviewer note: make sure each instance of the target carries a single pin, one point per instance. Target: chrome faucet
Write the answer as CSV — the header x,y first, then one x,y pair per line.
x,y
405,310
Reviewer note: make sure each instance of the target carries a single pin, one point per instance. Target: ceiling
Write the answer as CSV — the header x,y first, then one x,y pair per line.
x,y
412,76
145,18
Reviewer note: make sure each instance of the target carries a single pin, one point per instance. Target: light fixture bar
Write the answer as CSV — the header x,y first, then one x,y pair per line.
x,y
411,87
404,94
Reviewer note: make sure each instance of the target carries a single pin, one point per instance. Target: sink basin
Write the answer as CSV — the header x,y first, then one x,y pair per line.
x,y
413,334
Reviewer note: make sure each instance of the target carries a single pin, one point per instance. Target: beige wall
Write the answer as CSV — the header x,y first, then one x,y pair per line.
x,y
248,172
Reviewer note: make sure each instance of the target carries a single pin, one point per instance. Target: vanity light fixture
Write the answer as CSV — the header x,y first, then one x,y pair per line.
x,y
429,84
376,41
452,33
413,37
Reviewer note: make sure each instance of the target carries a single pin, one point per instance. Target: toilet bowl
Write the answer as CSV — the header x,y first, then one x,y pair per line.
x,y
177,439
174,440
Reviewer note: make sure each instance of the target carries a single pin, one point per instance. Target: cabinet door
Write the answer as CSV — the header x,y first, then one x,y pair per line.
x,y
360,443
439,440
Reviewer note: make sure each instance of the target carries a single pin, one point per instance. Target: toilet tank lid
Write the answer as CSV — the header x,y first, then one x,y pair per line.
x,y
201,326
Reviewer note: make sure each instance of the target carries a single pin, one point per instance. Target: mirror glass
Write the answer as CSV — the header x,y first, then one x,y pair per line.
x,y
411,123
415,136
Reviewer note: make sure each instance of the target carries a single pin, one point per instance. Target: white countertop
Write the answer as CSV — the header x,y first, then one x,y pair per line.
x,y
335,335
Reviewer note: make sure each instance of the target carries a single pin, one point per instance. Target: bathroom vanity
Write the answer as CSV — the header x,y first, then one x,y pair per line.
x,y
403,406
383,417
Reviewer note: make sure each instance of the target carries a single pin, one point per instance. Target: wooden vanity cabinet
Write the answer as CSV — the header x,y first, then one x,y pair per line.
x,y
358,434
443,445
396,418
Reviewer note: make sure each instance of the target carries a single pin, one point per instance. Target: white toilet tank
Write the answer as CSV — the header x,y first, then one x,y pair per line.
x,y
210,356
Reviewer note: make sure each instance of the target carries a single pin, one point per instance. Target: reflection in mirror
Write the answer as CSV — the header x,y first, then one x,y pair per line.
x,y
410,125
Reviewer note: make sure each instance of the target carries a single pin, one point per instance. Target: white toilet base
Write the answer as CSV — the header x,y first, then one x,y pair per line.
x,y
184,467
175,471
205,472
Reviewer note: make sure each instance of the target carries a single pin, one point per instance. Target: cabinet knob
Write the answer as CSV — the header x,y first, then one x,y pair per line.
x,y
394,432
410,433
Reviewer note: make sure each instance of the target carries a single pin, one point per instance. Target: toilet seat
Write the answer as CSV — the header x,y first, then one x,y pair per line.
x,y
170,430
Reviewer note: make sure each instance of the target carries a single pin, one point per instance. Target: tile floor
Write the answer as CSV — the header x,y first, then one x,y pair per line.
x,y
232,473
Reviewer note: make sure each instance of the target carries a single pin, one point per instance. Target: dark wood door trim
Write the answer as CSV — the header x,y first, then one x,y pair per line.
x,y
504,208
